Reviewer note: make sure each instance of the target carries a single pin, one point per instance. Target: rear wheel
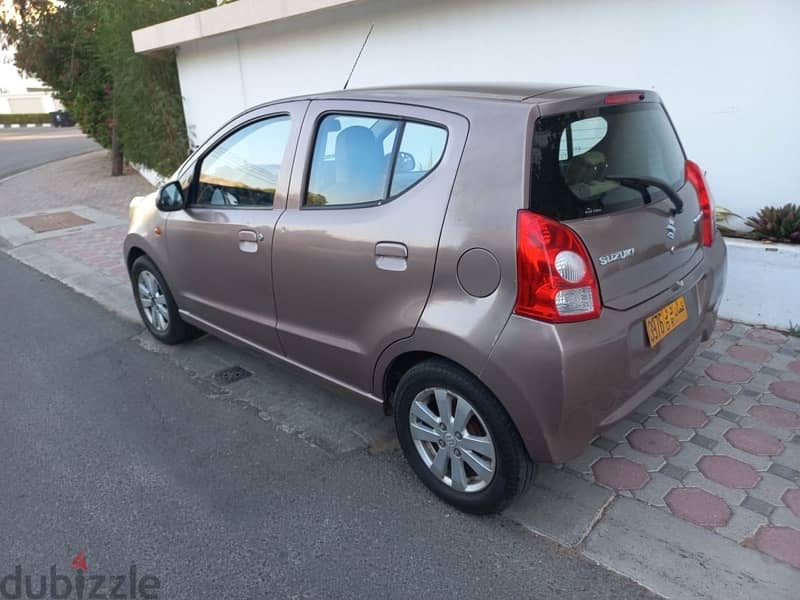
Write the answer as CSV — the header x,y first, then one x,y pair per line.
x,y
458,439
156,305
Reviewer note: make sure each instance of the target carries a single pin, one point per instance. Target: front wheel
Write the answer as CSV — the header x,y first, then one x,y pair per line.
x,y
156,304
458,438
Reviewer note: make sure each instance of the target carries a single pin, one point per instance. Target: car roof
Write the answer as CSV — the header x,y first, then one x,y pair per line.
x,y
469,98
466,98
456,94
514,92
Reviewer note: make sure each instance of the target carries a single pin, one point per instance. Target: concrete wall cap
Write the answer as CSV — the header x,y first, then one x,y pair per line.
x,y
223,19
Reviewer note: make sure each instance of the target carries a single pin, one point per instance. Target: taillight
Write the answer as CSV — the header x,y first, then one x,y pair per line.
x,y
694,174
555,277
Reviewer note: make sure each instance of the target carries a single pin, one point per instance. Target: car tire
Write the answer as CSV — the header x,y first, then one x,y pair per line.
x,y
417,398
156,305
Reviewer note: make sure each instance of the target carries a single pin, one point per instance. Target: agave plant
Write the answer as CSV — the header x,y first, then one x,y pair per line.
x,y
778,223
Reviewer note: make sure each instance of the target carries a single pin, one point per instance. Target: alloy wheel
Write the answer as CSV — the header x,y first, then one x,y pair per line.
x,y
452,440
153,301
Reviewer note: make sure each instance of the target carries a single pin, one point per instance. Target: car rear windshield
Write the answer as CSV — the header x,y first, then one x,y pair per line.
x,y
576,155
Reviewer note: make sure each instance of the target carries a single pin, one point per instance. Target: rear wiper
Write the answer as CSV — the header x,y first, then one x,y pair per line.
x,y
642,183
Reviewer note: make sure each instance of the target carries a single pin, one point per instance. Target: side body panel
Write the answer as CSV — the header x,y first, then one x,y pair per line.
x,y
221,256
488,192
145,220
337,310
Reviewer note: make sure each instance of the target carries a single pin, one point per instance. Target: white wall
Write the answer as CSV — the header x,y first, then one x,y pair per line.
x,y
763,287
34,102
14,94
727,69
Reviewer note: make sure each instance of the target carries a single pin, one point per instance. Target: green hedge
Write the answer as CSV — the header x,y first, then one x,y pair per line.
x,y
24,118
83,50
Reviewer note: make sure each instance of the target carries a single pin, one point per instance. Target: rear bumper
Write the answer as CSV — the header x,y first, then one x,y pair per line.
x,y
563,383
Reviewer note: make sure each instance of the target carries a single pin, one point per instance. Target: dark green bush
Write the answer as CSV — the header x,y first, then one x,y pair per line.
x,y
24,118
779,224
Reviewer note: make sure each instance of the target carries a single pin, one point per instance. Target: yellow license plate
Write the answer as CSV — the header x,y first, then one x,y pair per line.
x,y
659,325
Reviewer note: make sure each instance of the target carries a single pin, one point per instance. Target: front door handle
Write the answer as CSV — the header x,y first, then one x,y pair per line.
x,y
248,240
391,256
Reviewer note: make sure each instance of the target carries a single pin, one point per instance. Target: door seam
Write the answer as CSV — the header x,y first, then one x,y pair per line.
x,y
277,224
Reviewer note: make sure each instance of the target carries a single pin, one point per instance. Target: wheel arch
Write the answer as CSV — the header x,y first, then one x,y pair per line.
x,y
405,354
133,253
392,369
136,246
401,364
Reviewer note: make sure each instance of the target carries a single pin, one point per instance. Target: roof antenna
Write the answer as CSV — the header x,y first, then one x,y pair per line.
x,y
359,55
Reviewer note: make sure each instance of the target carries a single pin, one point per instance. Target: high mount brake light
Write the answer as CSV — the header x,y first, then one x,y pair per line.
x,y
694,175
555,277
624,98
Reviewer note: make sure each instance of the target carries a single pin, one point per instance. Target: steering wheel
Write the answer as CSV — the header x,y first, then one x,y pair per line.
x,y
405,162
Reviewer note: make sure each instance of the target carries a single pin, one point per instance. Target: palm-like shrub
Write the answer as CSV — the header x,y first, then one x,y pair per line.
x,y
778,223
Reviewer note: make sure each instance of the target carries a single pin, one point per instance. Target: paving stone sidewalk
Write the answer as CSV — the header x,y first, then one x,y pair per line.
x,y
696,494
87,257
719,445
83,180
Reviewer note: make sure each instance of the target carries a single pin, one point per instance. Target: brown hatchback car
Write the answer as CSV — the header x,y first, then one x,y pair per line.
x,y
509,269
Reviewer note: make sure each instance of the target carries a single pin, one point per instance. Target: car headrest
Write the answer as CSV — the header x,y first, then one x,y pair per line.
x,y
586,167
358,154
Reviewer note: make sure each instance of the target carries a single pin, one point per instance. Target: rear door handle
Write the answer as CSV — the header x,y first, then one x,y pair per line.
x,y
391,249
248,240
391,256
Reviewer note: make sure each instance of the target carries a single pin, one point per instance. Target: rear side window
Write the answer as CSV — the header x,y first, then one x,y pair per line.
x,y
576,154
367,160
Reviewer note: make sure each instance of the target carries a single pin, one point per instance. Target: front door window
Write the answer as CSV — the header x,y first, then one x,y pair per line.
x,y
242,171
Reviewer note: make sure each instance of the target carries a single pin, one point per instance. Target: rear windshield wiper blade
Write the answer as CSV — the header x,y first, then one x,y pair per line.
x,y
642,183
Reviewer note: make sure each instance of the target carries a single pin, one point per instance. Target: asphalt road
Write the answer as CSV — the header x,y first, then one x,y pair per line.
x,y
112,450
25,148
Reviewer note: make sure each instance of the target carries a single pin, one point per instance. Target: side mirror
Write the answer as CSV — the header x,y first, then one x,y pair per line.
x,y
406,162
170,197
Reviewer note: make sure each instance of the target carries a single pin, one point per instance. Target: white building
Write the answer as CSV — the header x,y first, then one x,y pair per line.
x,y
18,92
727,69
22,94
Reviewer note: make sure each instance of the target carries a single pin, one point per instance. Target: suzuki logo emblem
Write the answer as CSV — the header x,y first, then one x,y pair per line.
x,y
671,229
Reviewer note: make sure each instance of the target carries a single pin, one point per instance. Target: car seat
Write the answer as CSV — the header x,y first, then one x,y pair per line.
x,y
359,168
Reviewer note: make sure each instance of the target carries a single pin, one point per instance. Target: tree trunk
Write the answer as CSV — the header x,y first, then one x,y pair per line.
x,y
117,162
116,153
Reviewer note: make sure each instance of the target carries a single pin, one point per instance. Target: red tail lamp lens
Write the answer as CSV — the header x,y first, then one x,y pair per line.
x,y
555,277
694,175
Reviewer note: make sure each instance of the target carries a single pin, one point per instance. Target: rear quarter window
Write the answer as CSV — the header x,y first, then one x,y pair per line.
x,y
574,153
421,149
